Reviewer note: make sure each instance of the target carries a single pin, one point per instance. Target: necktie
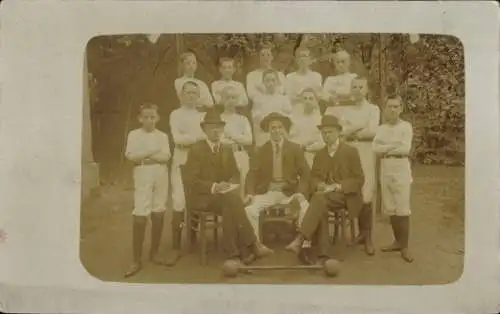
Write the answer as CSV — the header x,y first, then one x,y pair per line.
x,y
277,170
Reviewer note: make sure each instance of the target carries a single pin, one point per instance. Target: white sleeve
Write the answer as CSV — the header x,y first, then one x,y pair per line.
x,y
205,95
216,92
178,134
404,146
243,100
252,83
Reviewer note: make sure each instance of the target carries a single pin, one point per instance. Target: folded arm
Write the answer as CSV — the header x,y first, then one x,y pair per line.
x,y
368,132
180,136
164,154
134,152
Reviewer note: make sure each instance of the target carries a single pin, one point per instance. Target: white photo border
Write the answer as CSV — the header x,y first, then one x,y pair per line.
x,y
42,48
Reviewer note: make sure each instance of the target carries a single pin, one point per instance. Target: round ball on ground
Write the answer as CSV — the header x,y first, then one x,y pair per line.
x,y
331,267
230,268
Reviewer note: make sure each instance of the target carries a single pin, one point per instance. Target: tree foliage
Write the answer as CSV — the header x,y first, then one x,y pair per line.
x,y
428,74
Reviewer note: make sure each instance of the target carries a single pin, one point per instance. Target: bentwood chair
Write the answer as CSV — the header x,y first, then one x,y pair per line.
x,y
198,223
342,225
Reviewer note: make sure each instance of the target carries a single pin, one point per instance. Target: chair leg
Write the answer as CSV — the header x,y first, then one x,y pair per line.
x,y
343,235
203,240
216,232
336,227
261,227
189,232
352,223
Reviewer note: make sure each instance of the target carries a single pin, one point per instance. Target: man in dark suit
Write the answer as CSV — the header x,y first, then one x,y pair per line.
x,y
336,182
210,167
278,172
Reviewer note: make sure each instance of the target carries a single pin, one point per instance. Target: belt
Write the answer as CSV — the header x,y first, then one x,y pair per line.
x,y
237,148
182,147
359,140
148,162
400,156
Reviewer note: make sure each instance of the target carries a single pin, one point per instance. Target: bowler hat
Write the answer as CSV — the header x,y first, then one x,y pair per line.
x,y
275,116
212,117
330,121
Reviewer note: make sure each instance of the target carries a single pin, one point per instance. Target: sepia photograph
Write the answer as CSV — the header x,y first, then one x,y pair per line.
x,y
274,158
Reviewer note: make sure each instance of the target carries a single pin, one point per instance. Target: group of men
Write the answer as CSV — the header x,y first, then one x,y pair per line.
x,y
292,152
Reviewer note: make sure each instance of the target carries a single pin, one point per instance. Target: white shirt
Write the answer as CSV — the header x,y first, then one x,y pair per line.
x,y
264,104
394,139
205,96
297,82
238,128
254,79
304,130
332,149
364,116
185,125
339,84
141,143
218,86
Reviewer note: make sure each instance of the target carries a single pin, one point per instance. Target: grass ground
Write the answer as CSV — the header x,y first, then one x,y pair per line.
x,y
437,242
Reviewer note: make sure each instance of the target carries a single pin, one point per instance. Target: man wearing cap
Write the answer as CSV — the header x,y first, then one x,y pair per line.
x,y
336,182
278,171
210,169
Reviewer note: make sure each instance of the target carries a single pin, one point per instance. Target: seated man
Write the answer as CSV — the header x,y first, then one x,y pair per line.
x,y
336,182
278,171
210,167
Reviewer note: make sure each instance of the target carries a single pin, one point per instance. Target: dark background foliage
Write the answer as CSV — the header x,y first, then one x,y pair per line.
x,y
129,69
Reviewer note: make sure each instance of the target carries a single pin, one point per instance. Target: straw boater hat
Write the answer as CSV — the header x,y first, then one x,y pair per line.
x,y
330,121
275,116
212,117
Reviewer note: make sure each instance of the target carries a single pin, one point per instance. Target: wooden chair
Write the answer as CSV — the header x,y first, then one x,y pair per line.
x,y
340,222
198,223
276,213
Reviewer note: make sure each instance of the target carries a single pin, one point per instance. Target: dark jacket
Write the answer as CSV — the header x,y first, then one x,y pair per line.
x,y
203,169
295,169
344,168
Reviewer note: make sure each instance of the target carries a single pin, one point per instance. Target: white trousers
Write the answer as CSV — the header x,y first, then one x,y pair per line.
x,y
178,197
395,181
150,189
368,163
243,164
265,201
309,158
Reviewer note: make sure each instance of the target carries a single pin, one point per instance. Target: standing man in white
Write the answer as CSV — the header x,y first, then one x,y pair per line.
x,y
226,69
254,79
237,132
305,117
186,130
270,100
303,78
359,124
393,142
337,88
188,64
149,150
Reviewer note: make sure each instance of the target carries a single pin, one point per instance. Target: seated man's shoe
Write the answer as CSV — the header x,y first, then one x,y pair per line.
x,y
295,245
261,250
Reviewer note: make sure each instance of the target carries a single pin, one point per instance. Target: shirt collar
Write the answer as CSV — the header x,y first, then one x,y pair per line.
x,y
212,145
280,143
333,148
